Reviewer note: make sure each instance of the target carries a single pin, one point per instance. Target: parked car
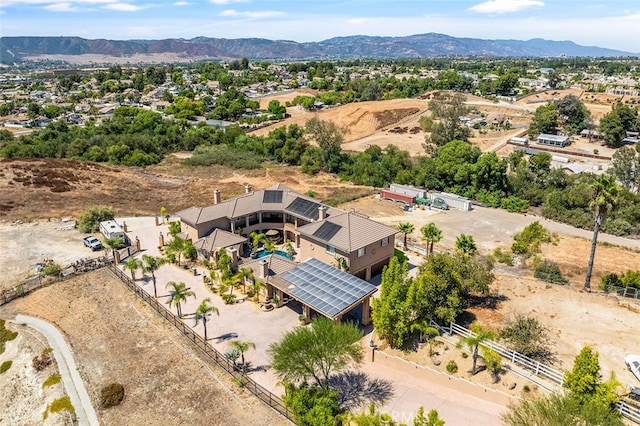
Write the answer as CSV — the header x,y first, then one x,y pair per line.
x,y
633,364
439,203
92,242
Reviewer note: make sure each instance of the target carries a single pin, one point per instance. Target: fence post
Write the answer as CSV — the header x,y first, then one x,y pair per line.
x,y
450,328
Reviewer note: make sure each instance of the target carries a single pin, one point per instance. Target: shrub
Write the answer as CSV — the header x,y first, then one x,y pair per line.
x,y
526,389
229,299
111,395
224,155
528,241
52,269
5,335
58,405
503,257
5,366
514,204
53,379
631,279
465,355
549,271
42,361
609,281
452,367
91,217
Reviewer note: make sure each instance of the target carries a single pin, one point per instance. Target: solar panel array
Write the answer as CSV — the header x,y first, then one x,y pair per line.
x,y
326,231
305,208
271,196
324,288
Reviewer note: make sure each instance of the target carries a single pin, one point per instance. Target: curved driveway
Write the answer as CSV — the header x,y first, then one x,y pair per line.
x,y
73,383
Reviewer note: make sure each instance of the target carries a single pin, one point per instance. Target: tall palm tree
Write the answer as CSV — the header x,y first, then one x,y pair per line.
x,y
466,245
152,264
176,246
246,274
474,340
605,193
203,311
431,234
242,347
178,294
406,228
133,264
256,287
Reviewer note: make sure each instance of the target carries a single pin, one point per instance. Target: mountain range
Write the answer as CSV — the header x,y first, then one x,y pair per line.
x,y
16,49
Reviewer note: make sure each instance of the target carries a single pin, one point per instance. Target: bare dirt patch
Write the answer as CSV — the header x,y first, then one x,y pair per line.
x,y
117,338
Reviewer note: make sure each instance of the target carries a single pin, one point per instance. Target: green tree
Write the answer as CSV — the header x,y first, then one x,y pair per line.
x,y
466,245
431,234
527,336
244,275
447,108
242,346
432,419
390,311
604,199
311,405
406,228
113,244
545,120
178,294
574,113
176,247
584,381
329,138
203,311
133,264
473,342
426,331
152,264
625,167
613,130
316,352
91,217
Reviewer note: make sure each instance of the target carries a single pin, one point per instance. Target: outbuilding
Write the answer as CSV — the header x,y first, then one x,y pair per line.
x,y
552,140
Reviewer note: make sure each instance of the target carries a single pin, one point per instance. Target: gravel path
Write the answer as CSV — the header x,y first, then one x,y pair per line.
x,y
73,384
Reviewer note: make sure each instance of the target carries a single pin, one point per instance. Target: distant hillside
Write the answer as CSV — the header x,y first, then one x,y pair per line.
x,y
16,49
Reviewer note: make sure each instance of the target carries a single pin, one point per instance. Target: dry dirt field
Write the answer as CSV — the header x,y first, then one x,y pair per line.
x,y
117,338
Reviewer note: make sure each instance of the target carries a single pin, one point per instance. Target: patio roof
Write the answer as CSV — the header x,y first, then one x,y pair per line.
x,y
323,288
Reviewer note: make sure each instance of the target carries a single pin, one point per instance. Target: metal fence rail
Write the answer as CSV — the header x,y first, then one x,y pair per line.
x,y
631,292
223,362
629,411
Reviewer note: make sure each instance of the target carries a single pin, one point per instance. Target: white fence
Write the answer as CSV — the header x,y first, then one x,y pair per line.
x,y
629,411
536,367
627,292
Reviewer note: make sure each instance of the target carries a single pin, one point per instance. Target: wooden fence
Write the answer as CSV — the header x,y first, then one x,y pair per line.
x,y
631,292
212,353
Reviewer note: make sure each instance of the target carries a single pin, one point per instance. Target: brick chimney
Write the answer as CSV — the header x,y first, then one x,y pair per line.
x,y
247,188
263,271
322,212
216,196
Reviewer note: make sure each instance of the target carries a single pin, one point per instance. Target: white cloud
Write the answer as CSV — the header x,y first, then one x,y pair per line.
x,y
497,7
222,2
251,15
61,7
52,4
123,7
182,3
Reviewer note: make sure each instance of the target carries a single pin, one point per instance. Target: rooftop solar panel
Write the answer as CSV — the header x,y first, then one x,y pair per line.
x,y
326,231
305,208
324,288
271,196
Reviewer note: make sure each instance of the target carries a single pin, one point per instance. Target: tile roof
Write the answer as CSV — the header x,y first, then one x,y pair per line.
x,y
350,232
218,239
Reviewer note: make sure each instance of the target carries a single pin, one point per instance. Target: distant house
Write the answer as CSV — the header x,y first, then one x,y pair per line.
x,y
552,140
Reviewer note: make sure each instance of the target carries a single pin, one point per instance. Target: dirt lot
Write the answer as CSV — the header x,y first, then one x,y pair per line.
x,y
116,338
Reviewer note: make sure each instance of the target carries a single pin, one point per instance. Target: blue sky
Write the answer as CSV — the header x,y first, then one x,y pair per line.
x,y
605,23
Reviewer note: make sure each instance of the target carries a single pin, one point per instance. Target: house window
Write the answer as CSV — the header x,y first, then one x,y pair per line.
x,y
361,251
384,242
330,249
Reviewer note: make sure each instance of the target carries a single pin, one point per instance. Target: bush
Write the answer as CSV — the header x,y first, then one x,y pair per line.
x,y
528,241
631,279
52,269
53,379
5,335
91,217
514,204
609,281
549,271
5,366
465,355
503,257
452,367
57,405
42,361
225,156
111,395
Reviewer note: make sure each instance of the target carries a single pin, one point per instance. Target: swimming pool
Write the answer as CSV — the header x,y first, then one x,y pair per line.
x,y
263,253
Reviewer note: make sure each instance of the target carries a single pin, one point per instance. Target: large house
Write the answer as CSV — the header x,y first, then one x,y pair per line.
x,y
315,229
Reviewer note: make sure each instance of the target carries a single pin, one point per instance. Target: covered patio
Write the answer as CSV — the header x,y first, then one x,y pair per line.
x,y
324,289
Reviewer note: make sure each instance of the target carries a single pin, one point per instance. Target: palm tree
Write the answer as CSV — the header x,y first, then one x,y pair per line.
x,y
256,287
178,294
204,310
152,264
246,273
604,199
242,347
474,340
133,264
431,234
113,244
466,245
406,228
426,331
256,239
176,246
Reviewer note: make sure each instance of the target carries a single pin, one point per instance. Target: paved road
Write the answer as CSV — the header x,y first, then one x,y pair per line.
x,y
71,379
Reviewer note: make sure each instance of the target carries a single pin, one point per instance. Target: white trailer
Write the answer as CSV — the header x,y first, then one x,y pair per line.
x,y
112,229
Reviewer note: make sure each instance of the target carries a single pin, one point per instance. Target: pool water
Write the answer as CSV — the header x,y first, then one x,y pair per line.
x,y
263,253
